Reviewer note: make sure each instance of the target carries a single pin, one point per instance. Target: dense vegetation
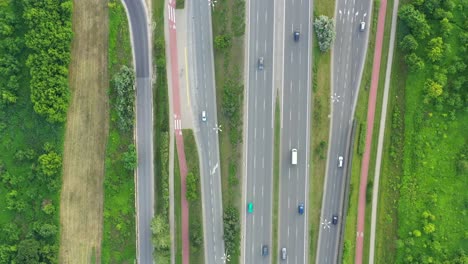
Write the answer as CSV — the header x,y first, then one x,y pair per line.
x,y
48,38
118,245
30,147
433,197
160,226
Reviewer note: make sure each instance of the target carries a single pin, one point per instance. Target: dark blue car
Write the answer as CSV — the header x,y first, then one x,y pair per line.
x,y
300,208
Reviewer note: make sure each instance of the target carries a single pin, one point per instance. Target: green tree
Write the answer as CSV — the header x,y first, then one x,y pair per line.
x,y
416,233
130,159
47,230
160,230
429,228
415,20
28,252
192,187
446,27
325,31
196,234
435,49
433,88
50,163
409,43
414,62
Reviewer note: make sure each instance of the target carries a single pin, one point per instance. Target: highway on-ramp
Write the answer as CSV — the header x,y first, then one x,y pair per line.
x,y
295,124
258,144
348,57
136,12
201,71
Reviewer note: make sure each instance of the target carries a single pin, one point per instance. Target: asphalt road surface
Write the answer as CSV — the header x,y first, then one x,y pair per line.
x,y
259,132
201,67
348,58
144,128
295,123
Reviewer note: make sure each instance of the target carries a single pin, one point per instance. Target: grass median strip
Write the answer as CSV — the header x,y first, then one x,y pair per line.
x,y
320,127
194,198
276,175
229,62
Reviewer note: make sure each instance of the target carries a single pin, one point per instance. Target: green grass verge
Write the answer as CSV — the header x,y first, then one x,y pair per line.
x,y
161,130
320,127
118,242
229,65
195,207
276,175
180,4
177,211
22,129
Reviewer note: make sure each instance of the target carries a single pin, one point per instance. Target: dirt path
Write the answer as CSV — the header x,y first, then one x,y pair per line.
x,y
369,130
85,137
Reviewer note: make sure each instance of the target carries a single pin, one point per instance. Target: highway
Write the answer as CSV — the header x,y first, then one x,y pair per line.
x,y
295,129
349,52
258,137
202,86
136,12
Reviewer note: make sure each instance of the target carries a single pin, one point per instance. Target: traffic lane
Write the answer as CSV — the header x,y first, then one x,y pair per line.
x,y
254,179
138,24
145,158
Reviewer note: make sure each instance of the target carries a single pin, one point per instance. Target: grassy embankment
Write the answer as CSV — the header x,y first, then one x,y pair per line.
x,y
30,200
320,127
118,245
228,24
360,134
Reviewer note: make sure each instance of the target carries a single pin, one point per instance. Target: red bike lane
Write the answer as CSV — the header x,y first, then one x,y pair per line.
x,y
369,131
178,128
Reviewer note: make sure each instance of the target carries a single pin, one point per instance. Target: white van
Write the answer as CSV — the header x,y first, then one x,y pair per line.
x,y
294,156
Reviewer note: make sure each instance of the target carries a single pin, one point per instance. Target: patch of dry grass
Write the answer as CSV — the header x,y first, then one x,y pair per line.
x,y
85,137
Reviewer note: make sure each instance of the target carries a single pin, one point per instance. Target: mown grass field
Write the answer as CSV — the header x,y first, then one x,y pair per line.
x,y
85,136
118,245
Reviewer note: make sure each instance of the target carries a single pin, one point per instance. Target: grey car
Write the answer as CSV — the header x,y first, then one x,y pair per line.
x,y
260,63
265,250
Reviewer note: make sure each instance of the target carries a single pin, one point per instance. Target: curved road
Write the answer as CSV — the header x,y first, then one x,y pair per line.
x,y
137,16
201,66
349,51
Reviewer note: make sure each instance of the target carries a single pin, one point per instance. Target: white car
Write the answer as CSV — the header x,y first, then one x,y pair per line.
x,y
362,26
340,161
203,116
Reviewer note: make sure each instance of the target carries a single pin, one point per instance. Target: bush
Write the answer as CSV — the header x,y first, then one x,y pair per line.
x,y
325,31
130,159
222,42
124,82
231,230
192,187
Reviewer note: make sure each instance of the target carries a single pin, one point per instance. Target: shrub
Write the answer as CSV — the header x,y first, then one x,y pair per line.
x,y
124,82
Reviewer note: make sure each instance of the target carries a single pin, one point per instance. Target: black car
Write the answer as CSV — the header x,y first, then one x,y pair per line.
x,y
265,250
260,63
296,35
335,219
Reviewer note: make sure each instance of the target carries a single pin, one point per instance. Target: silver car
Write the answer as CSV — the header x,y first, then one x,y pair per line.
x,y
284,255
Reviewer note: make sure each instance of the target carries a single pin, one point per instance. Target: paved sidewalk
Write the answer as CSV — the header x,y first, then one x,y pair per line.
x,y
173,76
369,130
